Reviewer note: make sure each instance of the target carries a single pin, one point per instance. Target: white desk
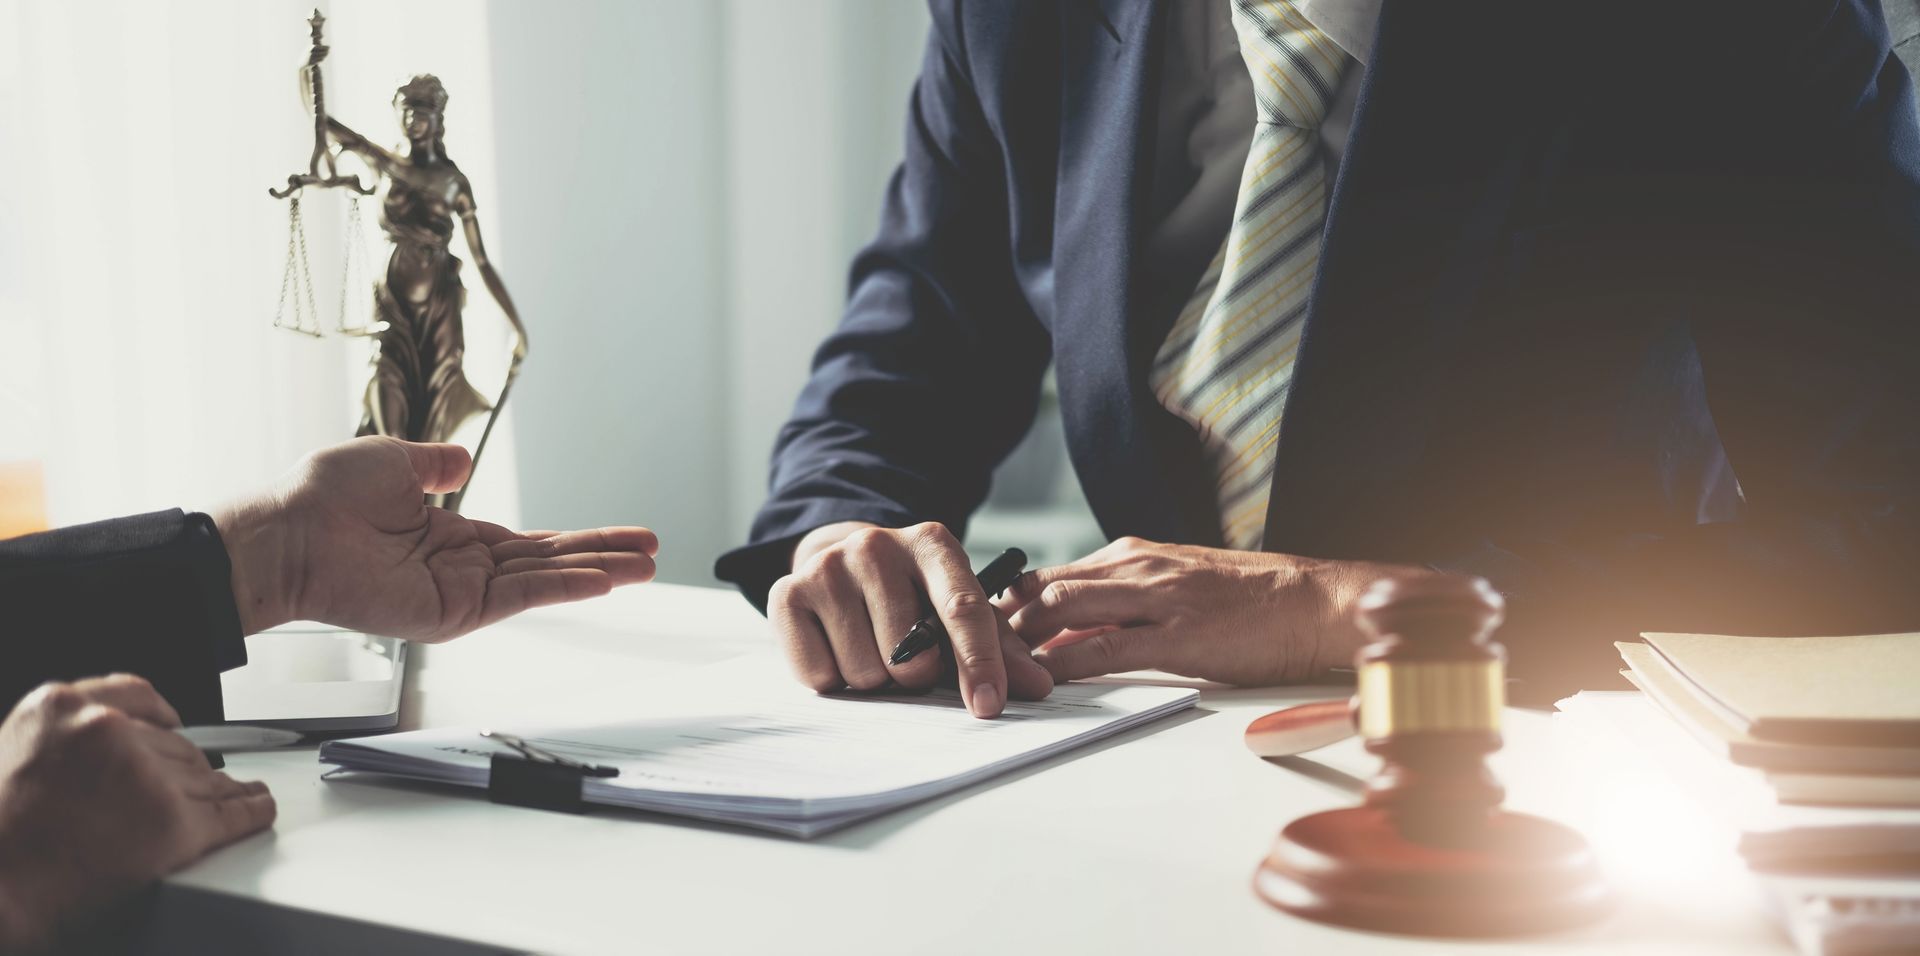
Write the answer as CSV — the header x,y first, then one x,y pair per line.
x,y
1143,845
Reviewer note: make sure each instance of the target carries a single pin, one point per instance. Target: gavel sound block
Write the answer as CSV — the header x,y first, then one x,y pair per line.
x,y
1430,851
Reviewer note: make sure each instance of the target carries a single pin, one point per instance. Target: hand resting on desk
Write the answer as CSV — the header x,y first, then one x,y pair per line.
x,y
1247,618
99,797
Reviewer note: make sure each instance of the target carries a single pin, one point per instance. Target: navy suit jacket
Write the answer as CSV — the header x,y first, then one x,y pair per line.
x,y
1617,310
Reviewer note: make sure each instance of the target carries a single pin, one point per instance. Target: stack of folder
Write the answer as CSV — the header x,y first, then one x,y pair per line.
x,y
1825,721
1828,728
1812,756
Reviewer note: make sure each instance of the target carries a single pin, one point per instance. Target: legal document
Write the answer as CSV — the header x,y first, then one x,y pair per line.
x,y
785,759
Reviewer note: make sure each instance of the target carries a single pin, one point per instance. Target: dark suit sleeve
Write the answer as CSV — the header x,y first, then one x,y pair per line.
x,y
933,373
1798,269
149,595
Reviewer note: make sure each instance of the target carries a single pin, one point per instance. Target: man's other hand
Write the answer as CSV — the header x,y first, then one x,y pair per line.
x,y
348,539
98,797
1237,617
855,591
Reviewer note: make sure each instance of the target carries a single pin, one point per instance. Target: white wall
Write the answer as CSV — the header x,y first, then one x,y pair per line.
x,y
687,184
816,115
611,166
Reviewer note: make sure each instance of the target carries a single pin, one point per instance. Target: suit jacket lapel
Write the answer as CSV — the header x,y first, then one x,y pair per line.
x,y
1289,514
1426,183
1118,434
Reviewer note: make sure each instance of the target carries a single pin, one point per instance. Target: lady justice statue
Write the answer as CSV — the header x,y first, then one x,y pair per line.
x,y
419,390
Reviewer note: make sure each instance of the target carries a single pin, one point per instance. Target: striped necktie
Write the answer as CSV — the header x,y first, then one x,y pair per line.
x,y
1226,365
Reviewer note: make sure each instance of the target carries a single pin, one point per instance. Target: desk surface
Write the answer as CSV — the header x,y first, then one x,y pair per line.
x,y
1145,844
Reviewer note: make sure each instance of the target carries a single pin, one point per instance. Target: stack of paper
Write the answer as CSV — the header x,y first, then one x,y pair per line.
x,y
1812,763
790,762
1826,720
1866,895
1768,833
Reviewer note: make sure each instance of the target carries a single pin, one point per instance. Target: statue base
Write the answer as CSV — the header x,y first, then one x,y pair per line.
x,y
1516,875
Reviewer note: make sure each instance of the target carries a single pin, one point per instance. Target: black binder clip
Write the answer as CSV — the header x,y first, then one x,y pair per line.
x,y
537,778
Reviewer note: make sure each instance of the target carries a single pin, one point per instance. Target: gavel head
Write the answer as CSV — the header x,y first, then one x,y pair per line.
x,y
1431,688
1436,610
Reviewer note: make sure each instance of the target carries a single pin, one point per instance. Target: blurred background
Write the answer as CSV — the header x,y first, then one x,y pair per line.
x,y
671,191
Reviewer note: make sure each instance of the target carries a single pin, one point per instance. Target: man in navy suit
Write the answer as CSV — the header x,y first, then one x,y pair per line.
x,y
1614,308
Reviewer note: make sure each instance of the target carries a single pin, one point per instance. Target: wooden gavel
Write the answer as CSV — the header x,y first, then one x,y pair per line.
x,y
1449,679
1430,851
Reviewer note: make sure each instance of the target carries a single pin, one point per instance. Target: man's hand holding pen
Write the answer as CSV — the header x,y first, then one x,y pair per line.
x,y
857,590
1236,617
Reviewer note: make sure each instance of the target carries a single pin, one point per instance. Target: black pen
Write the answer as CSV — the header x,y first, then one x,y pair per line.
x,y
997,576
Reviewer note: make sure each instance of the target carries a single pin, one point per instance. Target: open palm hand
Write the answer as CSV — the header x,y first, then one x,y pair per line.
x,y
349,540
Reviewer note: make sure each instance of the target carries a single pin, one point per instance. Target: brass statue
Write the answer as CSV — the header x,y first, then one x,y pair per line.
x,y
419,390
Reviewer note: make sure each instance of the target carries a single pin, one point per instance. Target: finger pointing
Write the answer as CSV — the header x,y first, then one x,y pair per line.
x,y
968,616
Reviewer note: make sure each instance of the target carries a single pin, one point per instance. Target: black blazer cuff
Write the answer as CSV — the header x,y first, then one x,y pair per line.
x,y
149,594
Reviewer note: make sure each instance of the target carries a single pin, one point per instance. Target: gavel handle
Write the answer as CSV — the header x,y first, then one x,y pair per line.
x,y
1299,729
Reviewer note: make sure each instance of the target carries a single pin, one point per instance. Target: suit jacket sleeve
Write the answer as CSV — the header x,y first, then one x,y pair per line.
x,y
933,374
148,595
